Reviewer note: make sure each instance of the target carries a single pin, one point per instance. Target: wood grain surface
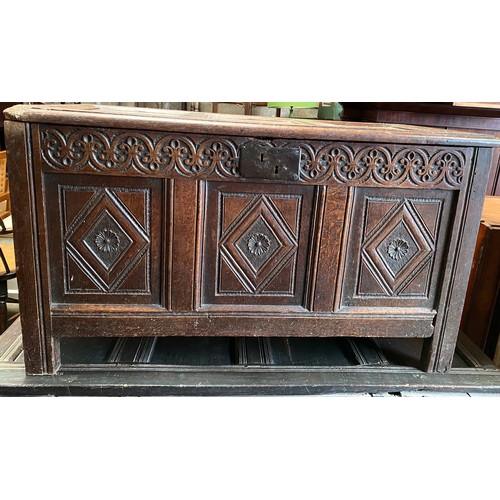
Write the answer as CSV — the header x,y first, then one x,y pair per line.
x,y
134,223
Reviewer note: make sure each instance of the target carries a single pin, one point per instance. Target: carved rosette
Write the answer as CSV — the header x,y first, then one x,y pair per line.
x,y
397,249
258,243
107,241
155,153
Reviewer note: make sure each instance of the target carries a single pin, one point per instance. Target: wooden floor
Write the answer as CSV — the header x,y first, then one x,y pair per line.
x,y
247,366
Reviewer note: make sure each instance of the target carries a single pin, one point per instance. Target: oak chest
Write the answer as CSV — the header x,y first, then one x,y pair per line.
x,y
142,223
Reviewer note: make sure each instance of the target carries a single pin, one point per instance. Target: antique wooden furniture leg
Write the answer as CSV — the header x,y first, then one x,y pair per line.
x,y
41,349
439,349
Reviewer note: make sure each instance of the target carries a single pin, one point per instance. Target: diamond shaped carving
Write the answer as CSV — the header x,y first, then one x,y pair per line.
x,y
257,245
398,249
106,241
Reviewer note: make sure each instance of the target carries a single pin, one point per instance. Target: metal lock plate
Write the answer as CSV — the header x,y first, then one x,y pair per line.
x,y
260,160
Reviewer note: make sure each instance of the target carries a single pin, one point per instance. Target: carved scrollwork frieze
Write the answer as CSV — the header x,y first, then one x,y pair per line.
x,y
160,154
149,153
384,166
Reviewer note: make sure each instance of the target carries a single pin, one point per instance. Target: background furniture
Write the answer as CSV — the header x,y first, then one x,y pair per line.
x,y
172,224
330,111
3,106
4,187
247,106
7,258
480,117
291,106
481,314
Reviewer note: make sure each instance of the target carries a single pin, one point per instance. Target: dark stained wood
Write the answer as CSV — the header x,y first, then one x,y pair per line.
x,y
403,322
325,261
184,222
474,357
236,125
397,246
126,213
174,155
140,225
39,356
484,283
244,224
431,114
367,352
438,351
249,380
480,117
132,351
205,366
473,278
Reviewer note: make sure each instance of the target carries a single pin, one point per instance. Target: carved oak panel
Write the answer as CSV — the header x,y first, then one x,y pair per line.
x,y
104,240
148,153
395,247
256,244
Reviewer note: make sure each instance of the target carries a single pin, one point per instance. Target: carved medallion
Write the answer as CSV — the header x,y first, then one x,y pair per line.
x,y
258,243
107,241
397,249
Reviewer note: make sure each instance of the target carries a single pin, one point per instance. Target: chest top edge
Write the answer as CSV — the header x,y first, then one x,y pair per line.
x,y
242,125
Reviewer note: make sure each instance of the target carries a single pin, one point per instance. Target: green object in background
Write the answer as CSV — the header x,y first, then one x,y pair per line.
x,y
326,110
330,111
292,105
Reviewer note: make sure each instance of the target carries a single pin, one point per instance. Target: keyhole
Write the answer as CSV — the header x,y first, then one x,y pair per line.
x,y
276,169
261,157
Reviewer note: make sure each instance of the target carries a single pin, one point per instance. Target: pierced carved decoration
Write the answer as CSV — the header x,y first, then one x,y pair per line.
x,y
166,154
